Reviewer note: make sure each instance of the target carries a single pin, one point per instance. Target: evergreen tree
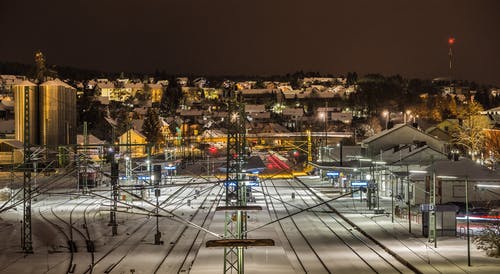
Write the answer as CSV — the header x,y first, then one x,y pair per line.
x,y
123,121
172,97
151,128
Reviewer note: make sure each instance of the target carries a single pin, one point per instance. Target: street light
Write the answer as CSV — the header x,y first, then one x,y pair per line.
x,y
324,115
386,114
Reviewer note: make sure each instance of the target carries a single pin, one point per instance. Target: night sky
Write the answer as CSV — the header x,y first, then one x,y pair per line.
x,y
258,37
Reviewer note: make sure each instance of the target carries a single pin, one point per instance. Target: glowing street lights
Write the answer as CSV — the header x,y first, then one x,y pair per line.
x,y
386,114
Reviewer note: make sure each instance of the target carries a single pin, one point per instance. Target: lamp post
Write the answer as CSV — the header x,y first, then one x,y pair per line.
x,y
392,198
386,114
378,172
340,152
432,212
467,215
323,152
408,198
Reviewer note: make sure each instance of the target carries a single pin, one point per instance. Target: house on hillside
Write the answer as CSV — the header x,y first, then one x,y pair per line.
x,y
95,146
259,96
138,143
292,117
493,115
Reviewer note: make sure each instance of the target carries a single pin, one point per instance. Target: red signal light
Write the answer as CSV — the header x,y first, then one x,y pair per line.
x,y
212,150
451,41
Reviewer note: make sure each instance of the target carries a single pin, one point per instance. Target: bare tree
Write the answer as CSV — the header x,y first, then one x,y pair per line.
x,y
489,239
471,129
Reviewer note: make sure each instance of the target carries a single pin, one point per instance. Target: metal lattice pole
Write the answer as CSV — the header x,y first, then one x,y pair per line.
x,y
235,222
27,243
114,193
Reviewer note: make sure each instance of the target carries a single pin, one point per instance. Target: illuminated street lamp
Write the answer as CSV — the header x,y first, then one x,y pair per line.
x,y
324,116
386,114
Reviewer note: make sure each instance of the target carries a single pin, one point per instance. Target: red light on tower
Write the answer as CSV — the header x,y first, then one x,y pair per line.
x,y
451,41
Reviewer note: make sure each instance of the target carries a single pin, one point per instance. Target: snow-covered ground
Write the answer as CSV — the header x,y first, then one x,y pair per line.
x,y
313,241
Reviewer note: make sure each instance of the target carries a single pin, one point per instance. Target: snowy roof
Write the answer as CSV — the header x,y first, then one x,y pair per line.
x,y
56,82
411,154
134,131
464,168
300,94
293,112
13,143
26,83
260,115
155,86
495,109
134,85
273,128
190,112
103,100
102,85
92,140
255,108
111,121
212,133
137,124
257,91
391,130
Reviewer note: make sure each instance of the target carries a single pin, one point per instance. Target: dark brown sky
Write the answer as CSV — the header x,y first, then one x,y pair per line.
x,y
258,36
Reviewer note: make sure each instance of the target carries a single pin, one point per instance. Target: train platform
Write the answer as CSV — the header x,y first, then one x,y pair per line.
x,y
448,255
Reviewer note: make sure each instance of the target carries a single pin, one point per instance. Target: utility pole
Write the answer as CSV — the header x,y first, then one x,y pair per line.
x,y
27,243
235,223
235,233
157,180
128,156
85,162
114,192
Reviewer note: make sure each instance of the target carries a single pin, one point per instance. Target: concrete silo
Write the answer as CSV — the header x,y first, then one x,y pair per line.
x,y
57,113
19,111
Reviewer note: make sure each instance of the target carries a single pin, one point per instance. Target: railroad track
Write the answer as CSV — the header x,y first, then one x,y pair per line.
x,y
321,230
187,233
123,256
377,259
301,248
126,239
66,230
